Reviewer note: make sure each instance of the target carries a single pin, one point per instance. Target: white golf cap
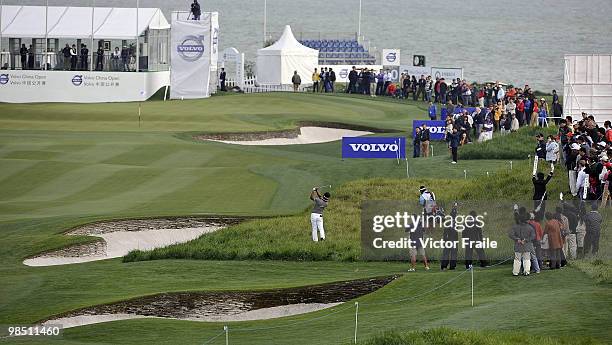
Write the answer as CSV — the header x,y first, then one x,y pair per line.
x,y
602,144
575,146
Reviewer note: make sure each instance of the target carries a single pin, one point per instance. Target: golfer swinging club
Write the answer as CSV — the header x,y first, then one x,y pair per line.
x,y
316,217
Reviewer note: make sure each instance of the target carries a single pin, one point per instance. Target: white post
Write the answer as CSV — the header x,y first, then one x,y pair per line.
x,y
226,329
465,174
407,173
46,45
359,22
510,165
265,24
472,273
137,38
535,165
487,174
91,48
356,319
432,150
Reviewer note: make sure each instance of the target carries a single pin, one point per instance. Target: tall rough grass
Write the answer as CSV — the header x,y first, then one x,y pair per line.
x,y
515,146
288,238
440,336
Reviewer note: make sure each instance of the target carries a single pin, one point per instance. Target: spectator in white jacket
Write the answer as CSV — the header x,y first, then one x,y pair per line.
x,y
582,176
515,124
552,150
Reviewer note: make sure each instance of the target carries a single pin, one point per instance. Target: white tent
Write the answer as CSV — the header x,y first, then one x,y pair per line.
x,y
587,86
276,63
76,22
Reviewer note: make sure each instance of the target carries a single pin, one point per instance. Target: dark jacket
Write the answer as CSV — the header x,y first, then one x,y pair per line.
x,y
593,221
473,233
450,234
417,139
541,149
443,87
539,187
453,139
424,135
353,76
525,232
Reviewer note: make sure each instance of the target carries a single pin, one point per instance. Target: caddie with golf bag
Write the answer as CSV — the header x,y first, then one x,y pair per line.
x,y
427,199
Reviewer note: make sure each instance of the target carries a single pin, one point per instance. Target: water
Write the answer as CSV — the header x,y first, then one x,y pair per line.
x,y
518,41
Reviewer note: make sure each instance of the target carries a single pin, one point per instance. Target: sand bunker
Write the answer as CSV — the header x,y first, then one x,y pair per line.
x,y
225,306
118,238
305,135
260,314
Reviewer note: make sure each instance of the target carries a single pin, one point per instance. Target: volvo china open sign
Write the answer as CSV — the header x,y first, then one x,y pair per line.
x,y
371,147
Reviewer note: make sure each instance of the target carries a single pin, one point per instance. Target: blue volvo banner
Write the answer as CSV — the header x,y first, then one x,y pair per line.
x,y
371,147
436,128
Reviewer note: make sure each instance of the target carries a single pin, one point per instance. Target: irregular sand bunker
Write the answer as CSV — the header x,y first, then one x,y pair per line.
x,y
307,133
118,238
225,306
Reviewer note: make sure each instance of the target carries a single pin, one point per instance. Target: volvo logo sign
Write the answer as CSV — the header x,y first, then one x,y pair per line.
x,y
343,73
4,79
391,57
77,80
370,147
192,48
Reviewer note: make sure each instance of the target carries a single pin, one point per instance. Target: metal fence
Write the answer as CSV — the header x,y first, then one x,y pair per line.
x,y
251,86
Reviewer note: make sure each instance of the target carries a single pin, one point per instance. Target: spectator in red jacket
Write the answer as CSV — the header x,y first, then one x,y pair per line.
x,y
536,242
608,127
555,242
520,111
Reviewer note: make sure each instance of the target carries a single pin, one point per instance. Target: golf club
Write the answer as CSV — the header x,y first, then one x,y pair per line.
x,y
325,186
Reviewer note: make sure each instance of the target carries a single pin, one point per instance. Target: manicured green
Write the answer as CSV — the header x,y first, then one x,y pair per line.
x,y
76,160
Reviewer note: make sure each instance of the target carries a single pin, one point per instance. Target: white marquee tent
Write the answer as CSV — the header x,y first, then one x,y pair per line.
x,y
587,86
276,63
76,22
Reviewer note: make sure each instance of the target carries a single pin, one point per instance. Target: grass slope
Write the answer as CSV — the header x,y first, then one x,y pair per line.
x,y
457,337
288,238
516,146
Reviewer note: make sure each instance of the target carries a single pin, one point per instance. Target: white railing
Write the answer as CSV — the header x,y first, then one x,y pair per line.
x,y
251,86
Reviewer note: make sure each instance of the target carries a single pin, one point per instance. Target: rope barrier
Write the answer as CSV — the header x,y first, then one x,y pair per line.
x,y
213,338
418,295
225,330
499,263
